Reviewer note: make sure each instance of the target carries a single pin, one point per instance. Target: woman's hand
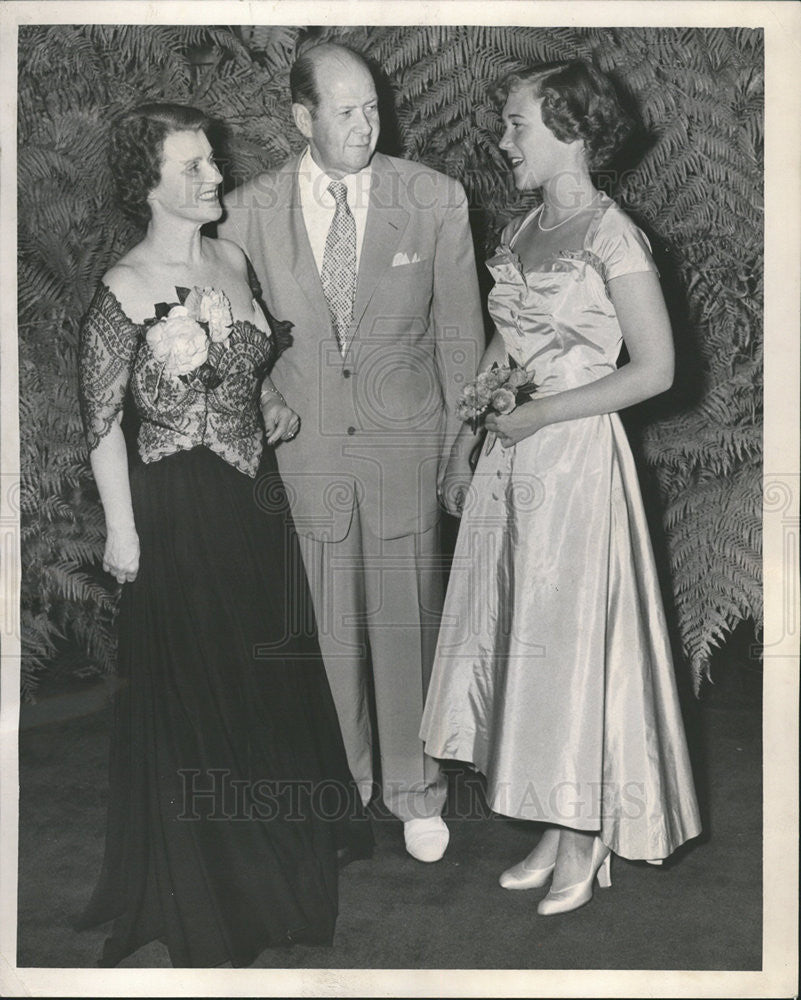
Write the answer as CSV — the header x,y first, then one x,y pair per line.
x,y
121,557
522,422
280,421
455,481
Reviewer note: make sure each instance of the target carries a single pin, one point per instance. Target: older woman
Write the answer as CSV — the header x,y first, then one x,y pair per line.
x,y
555,677
229,789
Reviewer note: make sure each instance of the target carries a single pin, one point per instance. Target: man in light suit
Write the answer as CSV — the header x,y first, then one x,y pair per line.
x,y
370,257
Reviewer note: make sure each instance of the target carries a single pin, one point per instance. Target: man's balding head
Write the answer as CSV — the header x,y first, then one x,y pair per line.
x,y
303,77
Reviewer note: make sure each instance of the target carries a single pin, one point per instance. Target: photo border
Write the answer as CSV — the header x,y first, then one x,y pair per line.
x,y
782,26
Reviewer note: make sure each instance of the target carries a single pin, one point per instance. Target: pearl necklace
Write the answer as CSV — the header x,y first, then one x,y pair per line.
x,y
550,229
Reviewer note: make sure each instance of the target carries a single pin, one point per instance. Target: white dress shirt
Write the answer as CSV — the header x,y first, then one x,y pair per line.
x,y
318,205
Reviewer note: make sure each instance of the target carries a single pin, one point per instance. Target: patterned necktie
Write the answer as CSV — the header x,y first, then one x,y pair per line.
x,y
338,273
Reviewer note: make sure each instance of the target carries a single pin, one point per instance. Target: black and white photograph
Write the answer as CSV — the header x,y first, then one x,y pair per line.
x,y
400,491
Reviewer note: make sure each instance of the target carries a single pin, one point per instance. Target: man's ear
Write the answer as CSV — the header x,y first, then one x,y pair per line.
x,y
303,120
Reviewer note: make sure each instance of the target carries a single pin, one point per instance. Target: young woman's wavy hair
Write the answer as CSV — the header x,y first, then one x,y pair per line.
x,y
578,102
136,150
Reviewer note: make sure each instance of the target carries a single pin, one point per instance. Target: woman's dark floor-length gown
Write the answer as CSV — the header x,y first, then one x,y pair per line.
x,y
230,793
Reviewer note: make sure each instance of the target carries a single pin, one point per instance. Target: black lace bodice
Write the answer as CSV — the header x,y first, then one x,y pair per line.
x,y
176,412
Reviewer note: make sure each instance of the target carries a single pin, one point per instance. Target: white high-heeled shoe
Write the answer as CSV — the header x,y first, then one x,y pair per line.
x,y
523,876
576,895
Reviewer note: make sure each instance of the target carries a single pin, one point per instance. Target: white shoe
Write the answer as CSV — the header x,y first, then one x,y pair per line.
x,y
576,895
426,839
535,870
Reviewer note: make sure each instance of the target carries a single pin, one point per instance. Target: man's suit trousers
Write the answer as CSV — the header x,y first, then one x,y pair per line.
x,y
378,603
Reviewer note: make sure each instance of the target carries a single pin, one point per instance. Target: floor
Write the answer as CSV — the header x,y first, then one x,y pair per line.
x,y
702,910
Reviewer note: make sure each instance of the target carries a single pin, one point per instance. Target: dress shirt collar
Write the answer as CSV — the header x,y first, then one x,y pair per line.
x,y
315,182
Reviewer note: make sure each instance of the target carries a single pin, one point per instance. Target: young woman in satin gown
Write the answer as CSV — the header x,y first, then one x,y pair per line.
x,y
553,672
230,797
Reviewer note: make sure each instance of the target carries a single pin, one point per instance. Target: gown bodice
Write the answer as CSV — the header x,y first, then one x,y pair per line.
x,y
214,405
557,321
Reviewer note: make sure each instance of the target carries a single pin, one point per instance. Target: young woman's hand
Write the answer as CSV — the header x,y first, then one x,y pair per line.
x,y
522,422
121,557
455,482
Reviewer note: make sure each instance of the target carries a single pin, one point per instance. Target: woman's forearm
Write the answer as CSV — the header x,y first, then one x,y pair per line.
x,y
645,326
495,353
109,462
269,393
626,387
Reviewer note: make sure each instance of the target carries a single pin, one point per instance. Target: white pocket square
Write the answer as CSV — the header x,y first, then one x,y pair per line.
x,y
402,258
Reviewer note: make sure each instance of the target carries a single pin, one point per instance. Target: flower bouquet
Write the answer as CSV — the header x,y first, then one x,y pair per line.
x,y
187,338
500,389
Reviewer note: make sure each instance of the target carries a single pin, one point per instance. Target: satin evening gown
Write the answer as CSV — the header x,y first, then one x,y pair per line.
x,y
553,673
229,790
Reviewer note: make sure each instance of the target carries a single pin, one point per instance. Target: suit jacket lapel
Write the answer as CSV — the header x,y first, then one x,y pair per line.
x,y
289,236
386,222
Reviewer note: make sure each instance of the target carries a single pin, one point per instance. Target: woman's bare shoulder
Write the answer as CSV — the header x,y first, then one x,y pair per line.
x,y
127,280
228,253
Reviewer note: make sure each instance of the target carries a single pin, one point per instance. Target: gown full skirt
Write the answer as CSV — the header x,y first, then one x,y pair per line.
x,y
230,793
553,672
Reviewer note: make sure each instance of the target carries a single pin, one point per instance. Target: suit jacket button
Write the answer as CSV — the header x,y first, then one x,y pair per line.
x,y
346,373
351,430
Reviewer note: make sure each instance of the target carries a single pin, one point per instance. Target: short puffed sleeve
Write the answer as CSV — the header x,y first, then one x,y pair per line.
x,y
108,344
621,246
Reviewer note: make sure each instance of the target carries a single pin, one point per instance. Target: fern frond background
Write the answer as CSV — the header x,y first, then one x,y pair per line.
x,y
692,180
